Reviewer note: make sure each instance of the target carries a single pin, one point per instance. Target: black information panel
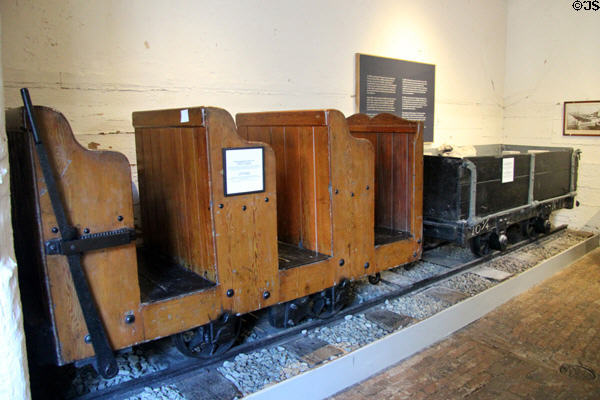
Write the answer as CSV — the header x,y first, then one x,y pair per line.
x,y
402,88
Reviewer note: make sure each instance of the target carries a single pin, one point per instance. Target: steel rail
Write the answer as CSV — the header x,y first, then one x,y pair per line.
x,y
192,365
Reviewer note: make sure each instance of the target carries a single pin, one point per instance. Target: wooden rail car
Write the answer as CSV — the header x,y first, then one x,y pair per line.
x,y
325,200
398,145
207,258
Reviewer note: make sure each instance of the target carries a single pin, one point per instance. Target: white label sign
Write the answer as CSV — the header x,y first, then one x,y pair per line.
x,y
184,116
243,170
508,170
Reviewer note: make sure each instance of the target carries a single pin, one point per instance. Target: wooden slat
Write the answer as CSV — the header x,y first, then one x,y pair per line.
x,y
307,174
301,281
384,198
323,192
401,189
417,196
168,118
385,123
283,118
292,187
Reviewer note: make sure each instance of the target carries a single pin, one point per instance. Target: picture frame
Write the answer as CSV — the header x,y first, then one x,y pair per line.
x,y
581,118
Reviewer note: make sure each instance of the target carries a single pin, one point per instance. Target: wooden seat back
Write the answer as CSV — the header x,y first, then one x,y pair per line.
x,y
324,185
398,145
229,240
96,189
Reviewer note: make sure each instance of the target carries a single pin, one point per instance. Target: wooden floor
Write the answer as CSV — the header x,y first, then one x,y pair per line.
x,y
543,344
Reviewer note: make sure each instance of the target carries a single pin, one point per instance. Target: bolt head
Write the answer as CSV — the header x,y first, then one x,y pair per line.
x,y
230,292
244,208
221,205
266,199
367,265
266,294
120,218
129,319
87,339
341,262
54,229
86,230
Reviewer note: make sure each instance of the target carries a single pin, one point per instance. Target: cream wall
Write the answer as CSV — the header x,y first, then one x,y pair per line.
x,y
99,61
552,56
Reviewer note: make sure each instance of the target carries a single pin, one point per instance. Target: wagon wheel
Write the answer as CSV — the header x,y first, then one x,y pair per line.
x,y
375,279
330,301
480,245
209,340
542,225
514,233
528,229
289,313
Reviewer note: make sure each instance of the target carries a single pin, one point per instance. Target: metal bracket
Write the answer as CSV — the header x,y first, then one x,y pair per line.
x,y
105,360
94,241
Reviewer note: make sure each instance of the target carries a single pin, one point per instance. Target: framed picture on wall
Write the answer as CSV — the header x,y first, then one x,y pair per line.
x,y
581,118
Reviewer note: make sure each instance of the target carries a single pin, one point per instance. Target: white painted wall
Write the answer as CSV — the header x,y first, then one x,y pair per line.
x,y
99,61
13,365
552,56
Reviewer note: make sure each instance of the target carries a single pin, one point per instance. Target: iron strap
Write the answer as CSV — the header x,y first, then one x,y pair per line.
x,y
95,241
105,360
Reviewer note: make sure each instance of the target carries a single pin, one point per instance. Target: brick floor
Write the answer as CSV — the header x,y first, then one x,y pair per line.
x,y
515,352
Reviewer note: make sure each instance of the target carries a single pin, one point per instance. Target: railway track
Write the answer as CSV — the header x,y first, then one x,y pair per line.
x,y
266,337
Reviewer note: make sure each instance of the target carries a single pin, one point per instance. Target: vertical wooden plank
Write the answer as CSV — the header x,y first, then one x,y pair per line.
x,y
259,134
417,194
384,208
277,137
401,189
168,181
323,192
205,210
147,198
140,138
159,224
307,175
243,132
292,224
191,203
182,211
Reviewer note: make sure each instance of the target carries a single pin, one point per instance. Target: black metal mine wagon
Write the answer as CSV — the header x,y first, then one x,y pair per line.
x,y
498,194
